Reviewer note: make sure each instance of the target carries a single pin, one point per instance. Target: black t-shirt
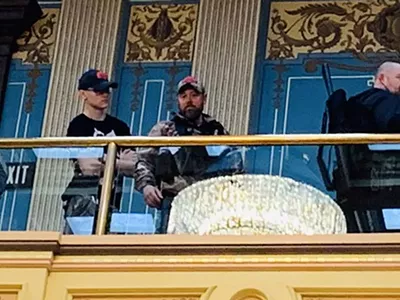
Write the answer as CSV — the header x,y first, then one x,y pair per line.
x,y
82,126
110,126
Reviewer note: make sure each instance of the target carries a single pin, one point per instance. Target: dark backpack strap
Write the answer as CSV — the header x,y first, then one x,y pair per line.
x,y
326,76
324,169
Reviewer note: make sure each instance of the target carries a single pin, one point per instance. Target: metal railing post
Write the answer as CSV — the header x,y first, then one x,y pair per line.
x,y
108,181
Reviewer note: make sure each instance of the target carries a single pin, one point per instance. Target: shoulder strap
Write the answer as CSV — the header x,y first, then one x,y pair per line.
x,y
324,169
326,76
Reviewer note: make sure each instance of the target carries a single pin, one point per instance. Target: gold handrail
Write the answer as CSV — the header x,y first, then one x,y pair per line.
x,y
243,140
237,140
106,189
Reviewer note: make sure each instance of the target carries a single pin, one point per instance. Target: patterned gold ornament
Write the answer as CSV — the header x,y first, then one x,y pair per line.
x,y
161,33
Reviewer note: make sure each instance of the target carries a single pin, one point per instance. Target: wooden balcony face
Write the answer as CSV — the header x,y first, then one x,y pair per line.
x,y
41,265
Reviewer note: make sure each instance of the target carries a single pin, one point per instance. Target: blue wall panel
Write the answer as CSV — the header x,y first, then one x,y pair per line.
x,y
22,118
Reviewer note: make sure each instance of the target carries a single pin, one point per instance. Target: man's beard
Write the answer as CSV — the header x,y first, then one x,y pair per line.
x,y
191,113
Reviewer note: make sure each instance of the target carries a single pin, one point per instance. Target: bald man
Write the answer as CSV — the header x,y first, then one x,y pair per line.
x,y
377,110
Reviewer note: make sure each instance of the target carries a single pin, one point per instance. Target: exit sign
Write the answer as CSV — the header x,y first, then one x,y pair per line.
x,y
20,175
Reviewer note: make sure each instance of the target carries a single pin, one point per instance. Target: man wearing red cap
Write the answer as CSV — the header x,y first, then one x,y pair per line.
x,y
161,173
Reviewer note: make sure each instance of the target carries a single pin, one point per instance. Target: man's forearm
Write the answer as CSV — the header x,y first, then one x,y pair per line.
x,y
145,168
125,167
90,166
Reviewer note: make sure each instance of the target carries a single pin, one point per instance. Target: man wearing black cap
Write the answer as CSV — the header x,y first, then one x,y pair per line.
x,y
161,173
81,196
94,89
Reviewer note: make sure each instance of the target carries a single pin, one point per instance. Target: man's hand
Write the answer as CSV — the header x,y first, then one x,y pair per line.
x,y
169,129
152,196
126,162
91,166
165,128
127,155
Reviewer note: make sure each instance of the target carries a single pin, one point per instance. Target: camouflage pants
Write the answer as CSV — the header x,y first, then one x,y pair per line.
x,y
84,206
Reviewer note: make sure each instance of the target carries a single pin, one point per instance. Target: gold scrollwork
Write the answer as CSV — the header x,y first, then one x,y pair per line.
x,y
160,33
357,27
36,46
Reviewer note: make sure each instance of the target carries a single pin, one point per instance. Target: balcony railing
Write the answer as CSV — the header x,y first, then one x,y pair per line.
x,y
247,141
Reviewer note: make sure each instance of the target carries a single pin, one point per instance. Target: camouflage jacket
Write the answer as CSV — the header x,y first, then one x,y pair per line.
x,y
174,169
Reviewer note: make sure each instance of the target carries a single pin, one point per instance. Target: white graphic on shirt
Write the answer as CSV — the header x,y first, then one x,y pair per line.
x,y
100,133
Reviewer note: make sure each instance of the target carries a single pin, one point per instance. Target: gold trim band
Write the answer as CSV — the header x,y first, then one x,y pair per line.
x,y
239,140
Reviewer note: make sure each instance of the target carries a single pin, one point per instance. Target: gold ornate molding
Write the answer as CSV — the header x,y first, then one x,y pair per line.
x,y
348,293
143,293
354,297
26,260
192,253
136,297
161,33
150,297
225,263
36,46
356,27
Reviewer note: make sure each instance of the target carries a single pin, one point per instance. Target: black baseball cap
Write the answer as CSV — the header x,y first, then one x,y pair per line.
x,y
96,80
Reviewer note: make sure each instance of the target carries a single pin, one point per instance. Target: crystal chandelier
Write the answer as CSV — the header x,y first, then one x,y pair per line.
x,y
254,205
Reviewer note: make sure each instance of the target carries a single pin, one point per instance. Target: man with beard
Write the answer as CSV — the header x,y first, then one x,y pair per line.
x,y
161,173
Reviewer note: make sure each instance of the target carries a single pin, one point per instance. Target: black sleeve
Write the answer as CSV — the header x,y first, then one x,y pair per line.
x,y
394,124
386,112
125,131
75,129
221,129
